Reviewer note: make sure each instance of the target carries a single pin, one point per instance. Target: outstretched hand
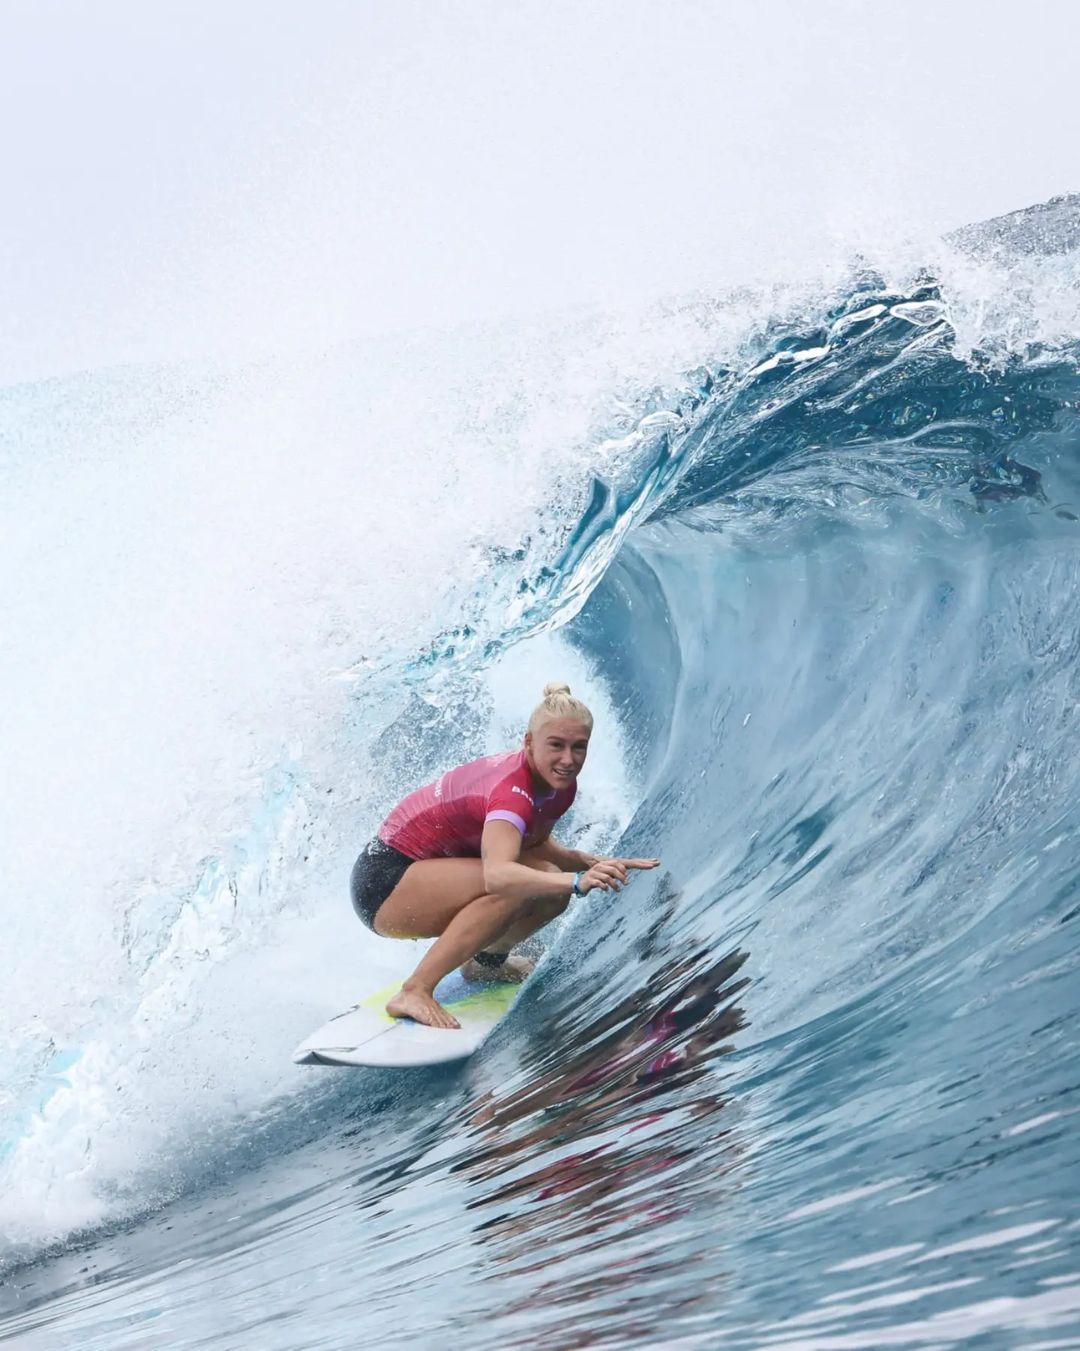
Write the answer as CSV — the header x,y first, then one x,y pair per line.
x,y
610,874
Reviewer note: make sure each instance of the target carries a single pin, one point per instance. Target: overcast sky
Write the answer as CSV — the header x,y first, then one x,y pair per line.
x,y
191,179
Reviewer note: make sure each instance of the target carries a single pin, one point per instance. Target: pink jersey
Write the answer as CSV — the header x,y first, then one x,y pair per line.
x,y
445,819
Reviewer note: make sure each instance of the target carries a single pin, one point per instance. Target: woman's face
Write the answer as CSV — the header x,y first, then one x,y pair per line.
x,y
557,750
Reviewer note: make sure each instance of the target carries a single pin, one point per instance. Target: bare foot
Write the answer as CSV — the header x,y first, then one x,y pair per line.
x,y
421,1007
513,969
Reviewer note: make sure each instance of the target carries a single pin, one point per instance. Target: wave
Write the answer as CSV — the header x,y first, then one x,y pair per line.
x,y
823,577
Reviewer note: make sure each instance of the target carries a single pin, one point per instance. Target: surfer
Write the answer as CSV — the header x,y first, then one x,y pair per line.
x,y
469,860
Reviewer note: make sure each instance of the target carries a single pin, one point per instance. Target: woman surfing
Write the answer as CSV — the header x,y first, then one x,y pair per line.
x,y
470,860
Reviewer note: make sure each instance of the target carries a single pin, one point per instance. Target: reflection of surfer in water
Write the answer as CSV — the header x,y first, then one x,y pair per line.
x,y
470,860
605,1141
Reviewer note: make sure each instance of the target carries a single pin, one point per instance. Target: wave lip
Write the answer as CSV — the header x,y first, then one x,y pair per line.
x,y
1051,227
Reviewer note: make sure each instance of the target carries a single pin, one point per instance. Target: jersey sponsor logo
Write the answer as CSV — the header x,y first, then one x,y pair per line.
x,y
515,789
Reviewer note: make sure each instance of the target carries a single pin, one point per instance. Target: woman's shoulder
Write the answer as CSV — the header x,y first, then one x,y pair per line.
x,y
489,770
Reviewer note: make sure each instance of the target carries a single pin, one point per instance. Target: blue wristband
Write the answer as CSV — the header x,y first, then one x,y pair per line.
x,y
575,886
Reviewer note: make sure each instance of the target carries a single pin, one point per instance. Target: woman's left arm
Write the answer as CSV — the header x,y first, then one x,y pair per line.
x,y
577,860
568,860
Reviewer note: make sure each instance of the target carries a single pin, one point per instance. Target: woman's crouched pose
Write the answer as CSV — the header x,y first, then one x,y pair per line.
x,y
470,860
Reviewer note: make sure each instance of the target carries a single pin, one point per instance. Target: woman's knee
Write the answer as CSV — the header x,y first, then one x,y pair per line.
x,y
549,907
541,908
511,908
541,865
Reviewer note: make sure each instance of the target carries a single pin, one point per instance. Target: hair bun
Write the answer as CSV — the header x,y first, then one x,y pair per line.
x,y
558,702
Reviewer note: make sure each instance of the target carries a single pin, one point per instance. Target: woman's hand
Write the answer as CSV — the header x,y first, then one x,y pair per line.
x,y
610,874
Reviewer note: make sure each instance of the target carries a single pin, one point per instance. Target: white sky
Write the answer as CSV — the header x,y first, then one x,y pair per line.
x,y
190,179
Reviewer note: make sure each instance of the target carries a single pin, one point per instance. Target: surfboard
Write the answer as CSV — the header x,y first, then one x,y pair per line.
x,y
367,1035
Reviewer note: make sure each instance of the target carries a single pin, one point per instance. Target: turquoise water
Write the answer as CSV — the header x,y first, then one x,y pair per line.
x,y
815,1083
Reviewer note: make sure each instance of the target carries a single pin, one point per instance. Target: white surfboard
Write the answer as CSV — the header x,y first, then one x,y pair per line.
x,y
367,1035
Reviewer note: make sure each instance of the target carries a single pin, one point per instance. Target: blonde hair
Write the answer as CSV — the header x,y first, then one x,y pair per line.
x,y
558,702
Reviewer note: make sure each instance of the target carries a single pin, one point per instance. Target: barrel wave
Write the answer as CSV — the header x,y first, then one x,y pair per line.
x,y
814,1083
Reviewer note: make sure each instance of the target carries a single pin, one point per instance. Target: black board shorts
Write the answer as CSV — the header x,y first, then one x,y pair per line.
x,y
375,874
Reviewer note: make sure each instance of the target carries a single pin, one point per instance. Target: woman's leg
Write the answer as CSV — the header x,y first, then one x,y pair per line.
x,y
446,898
537,914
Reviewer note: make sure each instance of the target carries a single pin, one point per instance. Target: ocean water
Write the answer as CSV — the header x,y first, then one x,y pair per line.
x,y
812,553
